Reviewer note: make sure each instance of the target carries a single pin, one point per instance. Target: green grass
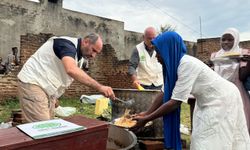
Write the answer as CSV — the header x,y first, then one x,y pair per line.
x,y
185,120
87,110
185,115
6,107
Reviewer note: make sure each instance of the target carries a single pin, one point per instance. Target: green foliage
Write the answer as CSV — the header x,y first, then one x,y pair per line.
x,y
6,107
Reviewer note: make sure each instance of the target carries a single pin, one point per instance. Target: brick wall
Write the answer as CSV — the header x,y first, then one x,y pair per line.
x,y
8,85
205,47
29,44
105,68
245,44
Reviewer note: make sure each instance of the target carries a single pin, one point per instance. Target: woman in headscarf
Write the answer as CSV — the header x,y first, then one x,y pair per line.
x,y
218,120
229,68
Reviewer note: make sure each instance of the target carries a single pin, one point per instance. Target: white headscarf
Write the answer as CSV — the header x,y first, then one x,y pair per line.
x,y
229,70
235,33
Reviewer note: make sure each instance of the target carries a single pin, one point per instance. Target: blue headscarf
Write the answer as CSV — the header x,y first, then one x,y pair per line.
x,y
171,48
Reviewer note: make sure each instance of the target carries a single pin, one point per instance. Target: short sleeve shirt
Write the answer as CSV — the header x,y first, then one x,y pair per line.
x,y
63,47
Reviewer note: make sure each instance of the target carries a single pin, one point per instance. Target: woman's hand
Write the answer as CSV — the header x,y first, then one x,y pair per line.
x,y
141,121
141,114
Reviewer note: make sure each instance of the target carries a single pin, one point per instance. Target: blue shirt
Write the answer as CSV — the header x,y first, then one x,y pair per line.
x,y
63,47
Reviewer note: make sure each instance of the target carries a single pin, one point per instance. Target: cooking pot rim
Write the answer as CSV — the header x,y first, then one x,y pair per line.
x,y
135,90
133,136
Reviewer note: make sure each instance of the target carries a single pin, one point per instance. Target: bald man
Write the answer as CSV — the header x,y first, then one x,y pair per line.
x,y
51,70
144,69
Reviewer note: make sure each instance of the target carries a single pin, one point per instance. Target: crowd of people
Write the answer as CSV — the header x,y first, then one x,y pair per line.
x,y
221,116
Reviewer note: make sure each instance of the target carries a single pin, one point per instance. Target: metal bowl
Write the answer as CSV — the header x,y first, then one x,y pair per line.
x,y
120,138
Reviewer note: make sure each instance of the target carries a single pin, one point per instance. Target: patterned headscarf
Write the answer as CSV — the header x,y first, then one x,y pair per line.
x,y
171,48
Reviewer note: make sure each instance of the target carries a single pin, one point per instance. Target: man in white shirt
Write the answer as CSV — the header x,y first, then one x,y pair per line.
x,y
51,70
144,69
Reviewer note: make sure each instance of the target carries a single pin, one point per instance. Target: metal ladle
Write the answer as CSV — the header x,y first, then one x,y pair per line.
x,y
127,103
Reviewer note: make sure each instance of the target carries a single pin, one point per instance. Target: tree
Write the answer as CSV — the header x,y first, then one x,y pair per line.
x,y
166,27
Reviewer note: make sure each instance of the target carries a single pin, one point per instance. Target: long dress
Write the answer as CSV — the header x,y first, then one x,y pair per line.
x,y
219,122
229,69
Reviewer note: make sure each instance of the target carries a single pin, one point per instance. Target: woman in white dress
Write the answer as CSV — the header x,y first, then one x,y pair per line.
x,y
230,68
218,120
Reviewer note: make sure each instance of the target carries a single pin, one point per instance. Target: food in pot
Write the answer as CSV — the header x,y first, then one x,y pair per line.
x,y
125,121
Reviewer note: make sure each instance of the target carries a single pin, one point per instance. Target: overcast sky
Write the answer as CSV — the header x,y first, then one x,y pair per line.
x,y
184,15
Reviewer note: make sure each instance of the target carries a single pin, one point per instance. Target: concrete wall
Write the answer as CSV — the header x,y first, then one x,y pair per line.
x,y
19,17
191,48
131,39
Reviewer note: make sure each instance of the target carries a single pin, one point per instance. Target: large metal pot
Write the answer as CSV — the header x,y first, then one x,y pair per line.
x,y
120,139
143,100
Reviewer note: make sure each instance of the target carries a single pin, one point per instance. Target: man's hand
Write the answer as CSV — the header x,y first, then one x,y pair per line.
x,y
136,83
107,91
78,74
